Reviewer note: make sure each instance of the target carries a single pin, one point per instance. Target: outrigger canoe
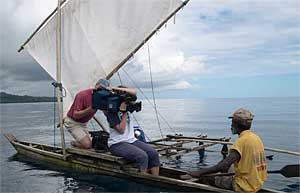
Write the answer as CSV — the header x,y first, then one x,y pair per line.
x,y
95,162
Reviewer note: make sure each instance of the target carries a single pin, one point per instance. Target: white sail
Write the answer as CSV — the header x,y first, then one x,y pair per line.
x,y
97,35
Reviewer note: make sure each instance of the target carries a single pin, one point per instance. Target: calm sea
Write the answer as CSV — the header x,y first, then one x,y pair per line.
x,y
276,122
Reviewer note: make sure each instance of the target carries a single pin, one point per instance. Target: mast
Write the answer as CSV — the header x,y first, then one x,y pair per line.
x,y
47,37
58,77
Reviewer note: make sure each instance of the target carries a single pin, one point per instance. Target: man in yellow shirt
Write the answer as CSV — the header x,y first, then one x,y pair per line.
x,y
247,155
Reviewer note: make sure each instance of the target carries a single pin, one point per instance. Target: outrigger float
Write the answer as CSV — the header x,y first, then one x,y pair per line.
x,y
92,39
104,163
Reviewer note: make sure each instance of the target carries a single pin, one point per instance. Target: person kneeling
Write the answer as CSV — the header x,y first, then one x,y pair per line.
x,y
80,113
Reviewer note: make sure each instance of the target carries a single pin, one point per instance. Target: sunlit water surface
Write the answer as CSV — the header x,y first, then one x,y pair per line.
x,y
276,122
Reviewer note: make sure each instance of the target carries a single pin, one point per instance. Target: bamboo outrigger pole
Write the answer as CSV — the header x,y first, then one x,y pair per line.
x,y
182,138
58,77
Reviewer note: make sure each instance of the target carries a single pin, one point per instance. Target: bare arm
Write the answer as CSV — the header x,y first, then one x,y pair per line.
x,y
122,125
83,113
223,165
128,90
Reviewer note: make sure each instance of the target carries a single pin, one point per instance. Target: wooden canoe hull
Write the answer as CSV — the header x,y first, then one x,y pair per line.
x,y
96,164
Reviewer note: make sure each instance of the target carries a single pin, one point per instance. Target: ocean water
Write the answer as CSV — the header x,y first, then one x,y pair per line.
x,y
276,121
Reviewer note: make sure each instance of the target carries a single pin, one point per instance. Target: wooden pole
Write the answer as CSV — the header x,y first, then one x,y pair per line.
x,y
58,77
231,143
287,171
196,138
188,150
206,140
159,140
100,124
282,151
39,27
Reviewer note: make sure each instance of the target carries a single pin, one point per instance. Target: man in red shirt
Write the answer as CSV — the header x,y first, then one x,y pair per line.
x,y
80,113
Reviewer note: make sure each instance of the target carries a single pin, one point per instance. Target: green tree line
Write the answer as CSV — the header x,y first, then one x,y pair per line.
x,y
10,98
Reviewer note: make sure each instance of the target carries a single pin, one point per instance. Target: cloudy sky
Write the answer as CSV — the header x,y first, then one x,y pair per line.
x,y
215,49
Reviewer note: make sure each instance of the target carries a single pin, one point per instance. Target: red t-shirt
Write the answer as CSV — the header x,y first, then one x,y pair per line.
x,y
82,100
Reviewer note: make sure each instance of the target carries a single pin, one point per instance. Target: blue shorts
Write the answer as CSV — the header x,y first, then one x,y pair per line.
x,y
139,152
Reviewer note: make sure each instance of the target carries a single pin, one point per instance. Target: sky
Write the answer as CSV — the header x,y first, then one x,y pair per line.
x,y
212,49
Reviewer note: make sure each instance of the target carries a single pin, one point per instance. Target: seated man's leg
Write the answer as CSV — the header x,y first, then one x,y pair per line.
x,y
131,153
153,156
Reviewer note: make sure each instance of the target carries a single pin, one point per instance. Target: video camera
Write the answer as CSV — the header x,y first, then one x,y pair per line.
x,y
111,100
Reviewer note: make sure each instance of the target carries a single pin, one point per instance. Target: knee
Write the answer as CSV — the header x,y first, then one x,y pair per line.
x,y
86,143
87,146
153,154
142,157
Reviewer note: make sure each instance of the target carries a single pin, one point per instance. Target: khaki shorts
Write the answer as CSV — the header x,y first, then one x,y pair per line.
x,y
78,130
225,182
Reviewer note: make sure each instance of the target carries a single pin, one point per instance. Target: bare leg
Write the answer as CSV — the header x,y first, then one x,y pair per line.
x,y
84,143
143,171
154,171
76,144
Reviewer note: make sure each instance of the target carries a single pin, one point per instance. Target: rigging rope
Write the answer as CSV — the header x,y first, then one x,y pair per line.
x,y
54,117
120,78
153,95
133,114
148,100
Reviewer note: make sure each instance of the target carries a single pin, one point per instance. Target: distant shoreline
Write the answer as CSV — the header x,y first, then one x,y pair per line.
x,y
10,98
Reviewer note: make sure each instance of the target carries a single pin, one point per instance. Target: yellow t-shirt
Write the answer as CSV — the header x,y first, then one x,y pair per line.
x,y
250,170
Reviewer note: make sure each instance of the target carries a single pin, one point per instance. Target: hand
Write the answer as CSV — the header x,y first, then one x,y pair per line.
x,y
191,175
91,110
123,106
186,177
198,173
195,173
109,88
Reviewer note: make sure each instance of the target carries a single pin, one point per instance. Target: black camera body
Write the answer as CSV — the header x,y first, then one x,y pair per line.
x,y
111,100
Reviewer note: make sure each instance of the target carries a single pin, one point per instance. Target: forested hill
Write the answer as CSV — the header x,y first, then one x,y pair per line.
x,y
9,98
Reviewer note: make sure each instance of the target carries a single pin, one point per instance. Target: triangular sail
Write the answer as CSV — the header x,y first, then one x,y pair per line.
x,y
97,35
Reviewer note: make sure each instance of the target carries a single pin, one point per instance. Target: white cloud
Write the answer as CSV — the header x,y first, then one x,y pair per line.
x,y
294,62
221,39
243,35
194,65
31,12
171,67
210,38
179,85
